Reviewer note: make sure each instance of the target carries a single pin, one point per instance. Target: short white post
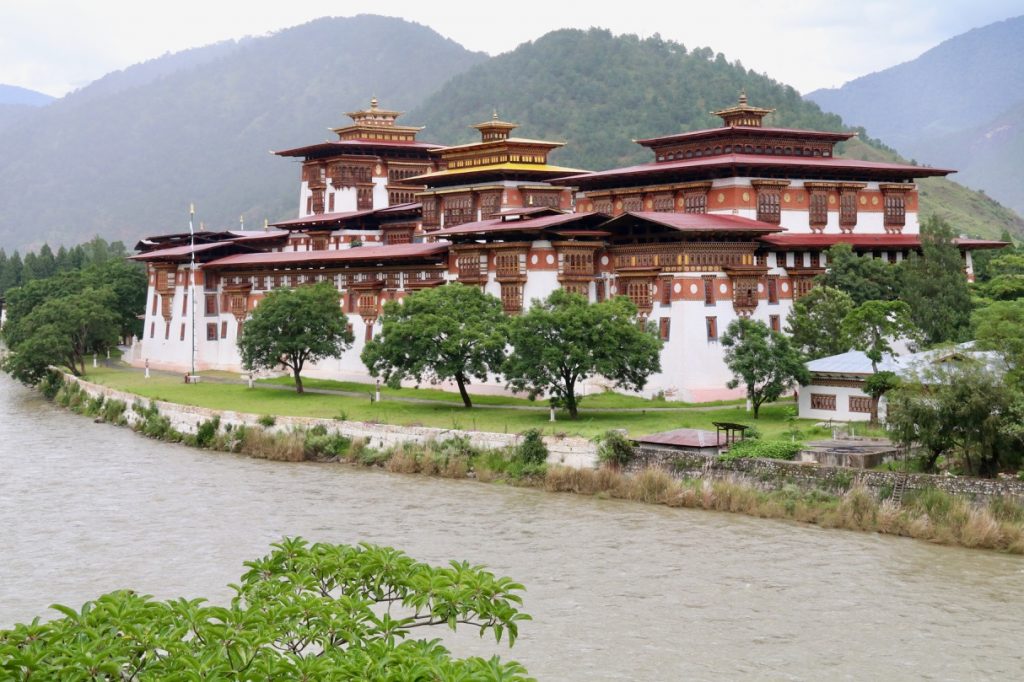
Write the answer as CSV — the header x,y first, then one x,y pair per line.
x,y
552,413
249,378
147,368
749,406
108,354
376,397
94,363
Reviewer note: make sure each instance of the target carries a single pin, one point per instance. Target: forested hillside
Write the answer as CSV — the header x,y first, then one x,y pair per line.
x,y
960,104
128,161
597,92
18,103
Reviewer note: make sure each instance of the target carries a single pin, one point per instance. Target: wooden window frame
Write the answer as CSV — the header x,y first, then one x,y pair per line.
x,y
711,324
823,401
211,331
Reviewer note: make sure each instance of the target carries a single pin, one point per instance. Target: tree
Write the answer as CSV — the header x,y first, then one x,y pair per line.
x,y
563,340
871,328
862,277
303,612
876,386
61,330
815,322
763,360
450,332
1000,326
963,411
937,277
292,327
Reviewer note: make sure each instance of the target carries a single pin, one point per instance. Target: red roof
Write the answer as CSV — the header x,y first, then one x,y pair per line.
x,y
687,438
350,255
496,225
322,218
343,146
696,222
725,131
789,163
176,252
866,241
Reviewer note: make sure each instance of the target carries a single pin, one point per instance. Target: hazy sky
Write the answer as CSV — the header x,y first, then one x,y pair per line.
x,y
58,45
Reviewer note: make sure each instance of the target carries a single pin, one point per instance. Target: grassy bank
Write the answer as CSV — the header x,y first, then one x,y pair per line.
x,y
929,514
592,421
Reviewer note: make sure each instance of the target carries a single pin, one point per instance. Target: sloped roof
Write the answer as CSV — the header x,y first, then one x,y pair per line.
x,y
696,222
350,255
687,438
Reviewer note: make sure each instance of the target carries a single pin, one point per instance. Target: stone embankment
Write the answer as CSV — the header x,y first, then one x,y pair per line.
x,y
570,451
774,473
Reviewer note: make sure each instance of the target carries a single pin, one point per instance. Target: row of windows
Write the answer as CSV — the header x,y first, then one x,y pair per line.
x,y
777,150
827,401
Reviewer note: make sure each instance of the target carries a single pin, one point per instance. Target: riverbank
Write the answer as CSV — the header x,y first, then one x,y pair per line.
x,y
926,514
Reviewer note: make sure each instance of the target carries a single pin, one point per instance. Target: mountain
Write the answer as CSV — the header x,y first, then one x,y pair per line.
x,y
960,104
12,94
125,156
597,92
16,104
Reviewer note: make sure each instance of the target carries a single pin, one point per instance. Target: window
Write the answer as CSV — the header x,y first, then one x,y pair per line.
x,y
167,331
368,336
712,325
696,202
152,330
211,305
709,290
154,304
599,290
773,322
818,208
181,335
511,297
211,331
663,328
823,401
860,403
666,292
184,304
773,289
458,210
430,212
364,198
769,208
664,203
848,209
210,281
895,210
640,293
224,329
633,203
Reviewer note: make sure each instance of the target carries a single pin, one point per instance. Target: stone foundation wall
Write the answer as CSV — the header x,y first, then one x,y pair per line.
x,y
571,451
774,473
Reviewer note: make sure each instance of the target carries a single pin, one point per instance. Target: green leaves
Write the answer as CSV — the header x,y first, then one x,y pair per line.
x,y
291,327
454,332
815,322
564,340
303,612
763,360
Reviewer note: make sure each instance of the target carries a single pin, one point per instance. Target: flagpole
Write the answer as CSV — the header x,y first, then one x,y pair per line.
x,y
192,279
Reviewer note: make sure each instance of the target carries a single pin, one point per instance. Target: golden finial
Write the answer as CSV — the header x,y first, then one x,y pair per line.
x,y
494,114
743,97
373,102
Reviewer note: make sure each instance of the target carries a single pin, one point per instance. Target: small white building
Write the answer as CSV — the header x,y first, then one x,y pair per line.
x,y
836,391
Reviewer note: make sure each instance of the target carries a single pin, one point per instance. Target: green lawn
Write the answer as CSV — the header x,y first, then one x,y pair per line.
x,y
258,400
604,400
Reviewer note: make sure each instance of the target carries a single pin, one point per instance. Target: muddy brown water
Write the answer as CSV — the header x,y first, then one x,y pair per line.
x,y
618,591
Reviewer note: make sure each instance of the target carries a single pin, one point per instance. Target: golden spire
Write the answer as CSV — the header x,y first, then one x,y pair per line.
x,y
743,97
494,114
373,102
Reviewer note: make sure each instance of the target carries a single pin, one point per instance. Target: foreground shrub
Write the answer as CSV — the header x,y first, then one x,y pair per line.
x,y
531,450
321,444
263,444
613,448
303,612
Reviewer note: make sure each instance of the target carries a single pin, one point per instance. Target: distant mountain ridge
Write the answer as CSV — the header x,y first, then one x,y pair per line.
x,y
126,155
128,162
959,104
598,92
13,94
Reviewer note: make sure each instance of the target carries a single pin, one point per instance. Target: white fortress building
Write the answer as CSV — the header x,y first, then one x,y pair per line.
x,y
725,222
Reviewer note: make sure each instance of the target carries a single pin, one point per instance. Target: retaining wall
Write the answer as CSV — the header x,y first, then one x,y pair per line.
x,y
774,473
571,451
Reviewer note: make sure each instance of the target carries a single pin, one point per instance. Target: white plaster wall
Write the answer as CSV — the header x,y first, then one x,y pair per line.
x,y
842,412
345,199
380,192
304,194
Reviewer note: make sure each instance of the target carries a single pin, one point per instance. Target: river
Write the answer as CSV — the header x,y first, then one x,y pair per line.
x,y
618,591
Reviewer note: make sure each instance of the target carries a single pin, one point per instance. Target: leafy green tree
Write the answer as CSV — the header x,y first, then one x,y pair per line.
x,y
292,327
563,340
1000,326
61,331
934,286
874,325
1004,280
815,323
11,275
862,277
764,361
303,612
876,386
963,412
454,332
